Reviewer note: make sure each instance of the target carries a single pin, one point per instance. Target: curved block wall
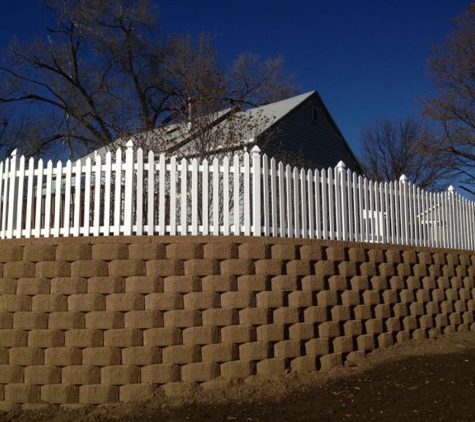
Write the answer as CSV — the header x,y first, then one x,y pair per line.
x,y
98,320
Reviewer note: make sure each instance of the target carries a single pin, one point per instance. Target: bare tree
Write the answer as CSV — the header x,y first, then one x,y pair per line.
x,y
390,149
452,65
105,71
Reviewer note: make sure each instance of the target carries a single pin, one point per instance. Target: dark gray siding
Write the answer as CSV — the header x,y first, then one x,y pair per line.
x,y
318,142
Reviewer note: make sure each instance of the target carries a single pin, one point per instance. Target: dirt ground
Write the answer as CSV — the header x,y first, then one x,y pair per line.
x,y
429,380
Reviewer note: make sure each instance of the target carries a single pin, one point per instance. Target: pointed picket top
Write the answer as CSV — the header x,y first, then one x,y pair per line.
x,y
451,190
129,144
404,179
256,151
14,154
341,166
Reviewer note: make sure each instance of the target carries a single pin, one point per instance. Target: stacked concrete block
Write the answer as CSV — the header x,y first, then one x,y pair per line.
x,y
101,320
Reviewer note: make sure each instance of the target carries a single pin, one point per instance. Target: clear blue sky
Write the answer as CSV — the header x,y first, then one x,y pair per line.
x,y
366,58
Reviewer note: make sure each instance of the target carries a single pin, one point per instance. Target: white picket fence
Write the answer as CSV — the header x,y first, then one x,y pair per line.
x,y
248,194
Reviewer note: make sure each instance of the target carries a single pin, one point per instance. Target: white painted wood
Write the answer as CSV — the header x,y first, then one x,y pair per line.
x,y
247,201
67,199
96,227
296,202
216,196
256,191
139,195
183,197
303,204
21,198
194,197
12,195
288,208
162,187
151,193
324,191
128,188
39,197
282,220
118,192
87,198
266,215
205,198
173,196
107,194
237,195
2,199
226,188
48,198
311,205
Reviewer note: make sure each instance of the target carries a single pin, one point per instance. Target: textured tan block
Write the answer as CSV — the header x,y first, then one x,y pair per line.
x,y
19,269
53,269
468,317
435,270
33,286
73,252
120,375
101,356
42,374
353,328
68,285
438,295
269,266
237,266
327,298
299,267
343,344
144,284
46,338
469,282
15,303
316,314
30,320
104,320
201,300
220,317
106,285
200,372
365,342
63,356
416,309
109,251
403,336
313,283
184,251
341,313
372,297
286,315
393,256
237,369
432,308
238,334
385,340
201,335
10,253
98,394
166,301
84,338
253,283
10,374
409,323
182,284
127,267
300,331
219,283
351,297
123,338
338,282
26,356
325,268
284,252
49,303
426,321
143,319
301,299
89,269
273,299
13,338
376,255
160,374
336,253
368,269
348,269
303,364
255,250
60,393
329,329
331,361
219,352
357,255
164,267
181,354
201,267
220,250
379,283
6,320
269,332
238,300
147,251
382,311
284,282
363,312
255,351
7,286
165,336
141,356
182,318
22,393
374,326
125,302
455,319
270,367
287,349
85,302
390,296
136,392
66,320
254,316
387,269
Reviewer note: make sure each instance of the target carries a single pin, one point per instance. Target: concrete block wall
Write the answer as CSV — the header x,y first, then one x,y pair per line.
x,y
100,320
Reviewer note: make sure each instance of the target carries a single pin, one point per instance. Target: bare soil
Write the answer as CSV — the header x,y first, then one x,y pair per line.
x,y
428,380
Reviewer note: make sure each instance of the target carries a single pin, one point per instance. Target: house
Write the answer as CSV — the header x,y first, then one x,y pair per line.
x,y
297,127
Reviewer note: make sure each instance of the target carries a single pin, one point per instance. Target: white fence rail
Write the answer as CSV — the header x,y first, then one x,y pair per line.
x,y
247,194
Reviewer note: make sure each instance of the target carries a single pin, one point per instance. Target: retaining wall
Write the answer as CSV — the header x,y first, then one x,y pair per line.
x,y
99,320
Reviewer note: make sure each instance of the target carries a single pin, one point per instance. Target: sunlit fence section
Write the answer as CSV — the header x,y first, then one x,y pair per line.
x,y
131,193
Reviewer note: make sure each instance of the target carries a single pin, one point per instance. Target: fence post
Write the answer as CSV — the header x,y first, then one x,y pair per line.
x,y
452,218
340,188
129,187
12,195
404,214
256,190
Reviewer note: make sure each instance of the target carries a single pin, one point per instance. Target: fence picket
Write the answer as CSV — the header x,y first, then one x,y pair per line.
x,y
226,196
